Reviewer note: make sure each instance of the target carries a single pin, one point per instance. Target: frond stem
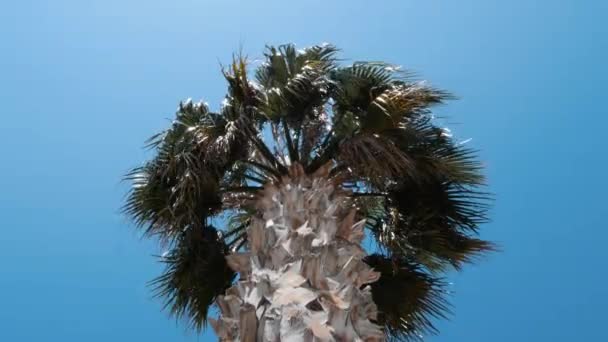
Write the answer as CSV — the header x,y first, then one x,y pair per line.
x,y
260,146
369,194
293,152
242,189
263,167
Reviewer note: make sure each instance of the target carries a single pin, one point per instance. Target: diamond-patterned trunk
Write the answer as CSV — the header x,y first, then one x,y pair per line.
x,y
303,278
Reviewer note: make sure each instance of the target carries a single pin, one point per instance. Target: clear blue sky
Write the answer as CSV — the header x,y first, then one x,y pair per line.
x,y
83,83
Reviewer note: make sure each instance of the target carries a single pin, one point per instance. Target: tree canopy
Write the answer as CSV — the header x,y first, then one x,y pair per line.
x,y
422,193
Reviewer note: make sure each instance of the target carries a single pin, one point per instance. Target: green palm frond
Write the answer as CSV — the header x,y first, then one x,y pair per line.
x,y
181,184
236,236
355,86
195,273
365,156
294,85
432,221
241,92
408,298
285,62
435,151
398,104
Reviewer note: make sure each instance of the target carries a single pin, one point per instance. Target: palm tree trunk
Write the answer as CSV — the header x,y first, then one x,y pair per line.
x,y
303,278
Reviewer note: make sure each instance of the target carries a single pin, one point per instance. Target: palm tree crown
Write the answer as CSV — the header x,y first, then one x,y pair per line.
x,y
420,192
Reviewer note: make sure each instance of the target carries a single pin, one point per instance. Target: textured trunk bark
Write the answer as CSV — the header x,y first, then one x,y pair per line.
x,y
303,278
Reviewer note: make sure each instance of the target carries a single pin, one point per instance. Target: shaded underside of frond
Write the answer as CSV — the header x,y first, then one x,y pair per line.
x,y
196,272
408,298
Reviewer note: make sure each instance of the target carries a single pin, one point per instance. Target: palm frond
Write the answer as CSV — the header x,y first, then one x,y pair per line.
x,y
435,151
434,222
373,157
309,138
355,86
408,298
372,99
180,186
241,93
294,84
285,62
399,103
195,273
237,224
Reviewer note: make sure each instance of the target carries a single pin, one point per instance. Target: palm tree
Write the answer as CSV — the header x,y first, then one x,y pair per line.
x,y
300,166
